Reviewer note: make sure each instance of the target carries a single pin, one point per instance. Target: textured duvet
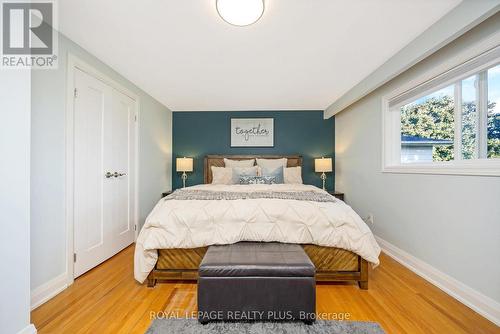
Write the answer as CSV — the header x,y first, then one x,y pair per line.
x,y
206,215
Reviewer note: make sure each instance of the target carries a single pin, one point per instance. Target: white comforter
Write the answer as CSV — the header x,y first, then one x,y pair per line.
x,y
198,223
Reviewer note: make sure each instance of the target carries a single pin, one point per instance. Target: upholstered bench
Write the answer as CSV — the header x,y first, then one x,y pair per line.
x,y
253,281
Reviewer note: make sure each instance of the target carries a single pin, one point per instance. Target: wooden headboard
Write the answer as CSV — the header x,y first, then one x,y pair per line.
x,y
218,161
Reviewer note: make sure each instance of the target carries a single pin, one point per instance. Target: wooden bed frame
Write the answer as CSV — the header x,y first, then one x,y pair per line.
x,y
332,264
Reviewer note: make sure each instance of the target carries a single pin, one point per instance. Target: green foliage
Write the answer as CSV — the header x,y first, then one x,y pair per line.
x,y
493,133
432,119
435,118
469,120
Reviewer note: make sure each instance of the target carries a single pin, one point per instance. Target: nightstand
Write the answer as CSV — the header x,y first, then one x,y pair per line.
x,y
166,193
336,194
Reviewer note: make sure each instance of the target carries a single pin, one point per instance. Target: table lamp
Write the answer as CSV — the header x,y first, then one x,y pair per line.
x,y
184,165
323,165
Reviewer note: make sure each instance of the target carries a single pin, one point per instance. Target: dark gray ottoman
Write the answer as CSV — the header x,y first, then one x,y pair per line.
x,y
253,281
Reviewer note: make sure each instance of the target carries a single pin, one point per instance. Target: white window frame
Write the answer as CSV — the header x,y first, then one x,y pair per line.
x,y
454,71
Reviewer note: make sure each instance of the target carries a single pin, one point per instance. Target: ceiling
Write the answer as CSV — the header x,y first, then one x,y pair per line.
x,y
301,55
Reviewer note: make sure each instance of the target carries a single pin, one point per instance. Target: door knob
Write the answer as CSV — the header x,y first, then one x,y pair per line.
x,y
108,175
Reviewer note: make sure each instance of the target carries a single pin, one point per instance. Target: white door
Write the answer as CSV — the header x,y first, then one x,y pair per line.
x,y
122,161
104,160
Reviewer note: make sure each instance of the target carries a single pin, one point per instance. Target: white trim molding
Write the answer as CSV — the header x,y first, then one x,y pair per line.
x,y
479,167
48,290
30,329
484,305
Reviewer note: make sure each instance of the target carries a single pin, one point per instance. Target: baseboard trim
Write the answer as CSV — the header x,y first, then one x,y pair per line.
x,y
484,305
48,290
30,329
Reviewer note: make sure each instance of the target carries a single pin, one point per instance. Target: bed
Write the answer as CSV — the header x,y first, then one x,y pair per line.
x,y
180,260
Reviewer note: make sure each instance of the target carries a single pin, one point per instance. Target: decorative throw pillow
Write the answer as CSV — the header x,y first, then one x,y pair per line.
x,y
238,163
238,172
222,175
277,173
292,175
257,180
272,163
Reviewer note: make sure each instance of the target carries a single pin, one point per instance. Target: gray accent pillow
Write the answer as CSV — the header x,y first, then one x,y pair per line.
x,y
277,173
243,171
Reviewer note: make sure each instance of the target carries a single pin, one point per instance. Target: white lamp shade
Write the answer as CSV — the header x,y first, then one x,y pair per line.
x,y
184,164
323,165
240,12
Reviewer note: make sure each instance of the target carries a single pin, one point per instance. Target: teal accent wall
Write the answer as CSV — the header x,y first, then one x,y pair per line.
x,y
197,134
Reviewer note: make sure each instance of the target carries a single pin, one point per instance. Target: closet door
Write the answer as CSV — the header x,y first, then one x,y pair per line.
x,y
90,216
104,153
121,156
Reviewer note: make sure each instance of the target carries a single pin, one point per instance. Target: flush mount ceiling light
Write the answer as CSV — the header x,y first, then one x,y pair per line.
x,y
240,12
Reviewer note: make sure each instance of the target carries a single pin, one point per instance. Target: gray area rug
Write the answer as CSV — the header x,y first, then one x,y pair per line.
x,y
192,326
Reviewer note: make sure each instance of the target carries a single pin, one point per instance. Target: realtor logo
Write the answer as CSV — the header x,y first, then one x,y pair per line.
x,y
28,35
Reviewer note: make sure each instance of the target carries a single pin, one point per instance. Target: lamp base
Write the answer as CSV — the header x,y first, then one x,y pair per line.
x,y
184,178
323,177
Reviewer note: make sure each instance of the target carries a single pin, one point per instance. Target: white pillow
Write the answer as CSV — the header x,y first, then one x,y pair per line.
x,y
222,175
239,163
293,175
271,163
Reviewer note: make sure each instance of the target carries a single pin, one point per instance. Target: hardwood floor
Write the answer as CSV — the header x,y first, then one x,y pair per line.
x,y
108,300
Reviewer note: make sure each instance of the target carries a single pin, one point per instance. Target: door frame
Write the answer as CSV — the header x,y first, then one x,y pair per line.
x,y
76,63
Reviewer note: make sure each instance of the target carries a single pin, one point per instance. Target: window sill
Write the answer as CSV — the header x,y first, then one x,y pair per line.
x,y
478,168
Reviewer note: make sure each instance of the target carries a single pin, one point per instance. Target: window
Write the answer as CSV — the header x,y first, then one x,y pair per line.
x,y
449,124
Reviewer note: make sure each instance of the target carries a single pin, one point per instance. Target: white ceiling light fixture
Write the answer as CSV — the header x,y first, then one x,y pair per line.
x,y
240,12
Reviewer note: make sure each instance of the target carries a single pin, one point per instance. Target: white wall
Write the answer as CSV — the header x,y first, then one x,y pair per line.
x,y
15,201
48,227
449,222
